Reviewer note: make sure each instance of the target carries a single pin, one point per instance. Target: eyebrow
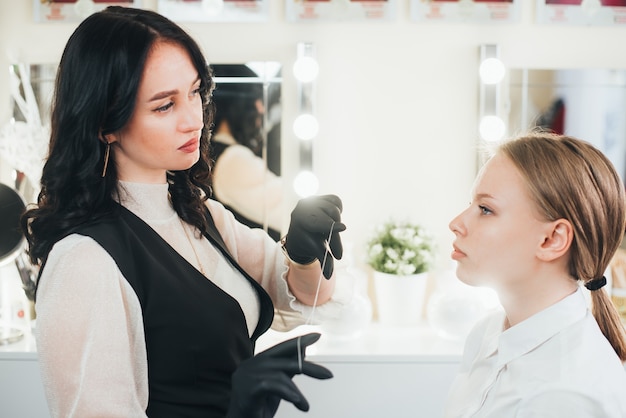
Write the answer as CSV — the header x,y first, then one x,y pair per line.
x,y
168,93
163,95
484,196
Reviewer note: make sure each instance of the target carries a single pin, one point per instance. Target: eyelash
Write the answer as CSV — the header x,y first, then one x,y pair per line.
x,y
484,210
165,107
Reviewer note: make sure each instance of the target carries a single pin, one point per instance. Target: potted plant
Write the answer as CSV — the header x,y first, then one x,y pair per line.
x,y
401,255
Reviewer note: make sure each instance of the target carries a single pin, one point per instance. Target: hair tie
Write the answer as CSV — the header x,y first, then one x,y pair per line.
x,y
596,284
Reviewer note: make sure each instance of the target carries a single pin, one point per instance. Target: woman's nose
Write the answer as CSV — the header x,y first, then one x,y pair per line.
x,y
456,224
192,117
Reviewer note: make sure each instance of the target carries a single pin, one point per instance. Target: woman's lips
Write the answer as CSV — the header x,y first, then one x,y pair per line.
x,y
190,146
457,254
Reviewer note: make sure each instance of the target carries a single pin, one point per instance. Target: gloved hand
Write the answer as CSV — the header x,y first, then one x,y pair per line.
x,y
309,229
262,381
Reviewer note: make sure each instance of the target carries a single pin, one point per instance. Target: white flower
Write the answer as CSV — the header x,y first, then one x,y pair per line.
x,y
400,248
408,254
406,269
375,250
392,254
390,265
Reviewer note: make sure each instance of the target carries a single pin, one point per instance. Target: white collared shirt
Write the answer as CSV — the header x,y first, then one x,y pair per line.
x,y
556,363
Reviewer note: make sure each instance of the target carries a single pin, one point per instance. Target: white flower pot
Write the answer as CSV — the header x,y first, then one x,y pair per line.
x,y
400,299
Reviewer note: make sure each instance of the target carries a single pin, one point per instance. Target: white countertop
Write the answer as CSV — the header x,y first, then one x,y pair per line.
x,y
24,349
375,343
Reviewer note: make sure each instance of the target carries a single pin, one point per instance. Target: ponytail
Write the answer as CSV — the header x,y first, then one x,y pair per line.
x,y
609,321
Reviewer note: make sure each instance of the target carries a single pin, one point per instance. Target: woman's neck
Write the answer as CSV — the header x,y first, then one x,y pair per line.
x,y
526,298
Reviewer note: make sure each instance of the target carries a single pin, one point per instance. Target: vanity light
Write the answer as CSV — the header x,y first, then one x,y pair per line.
x,y
305,125
491,126
305,183
305,69
491,71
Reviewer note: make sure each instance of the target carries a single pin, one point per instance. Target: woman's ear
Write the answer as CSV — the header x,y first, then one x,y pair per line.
x,y
557,241
107,139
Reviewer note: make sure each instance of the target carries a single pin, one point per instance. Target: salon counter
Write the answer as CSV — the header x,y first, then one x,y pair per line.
x,y
385,372
391,372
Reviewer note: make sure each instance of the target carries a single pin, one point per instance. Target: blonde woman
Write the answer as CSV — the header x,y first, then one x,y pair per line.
x,y
546,217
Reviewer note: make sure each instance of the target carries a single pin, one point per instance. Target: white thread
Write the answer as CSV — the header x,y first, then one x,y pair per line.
x,y
299,354
317,292
319,280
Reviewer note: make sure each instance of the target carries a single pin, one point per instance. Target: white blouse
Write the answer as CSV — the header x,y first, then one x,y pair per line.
x,y
90,336
556,363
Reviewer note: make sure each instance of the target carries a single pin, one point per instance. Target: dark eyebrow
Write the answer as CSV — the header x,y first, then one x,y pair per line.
x,y
168,93
163,95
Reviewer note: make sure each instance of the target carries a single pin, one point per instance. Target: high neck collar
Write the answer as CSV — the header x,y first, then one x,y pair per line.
x,y
151,202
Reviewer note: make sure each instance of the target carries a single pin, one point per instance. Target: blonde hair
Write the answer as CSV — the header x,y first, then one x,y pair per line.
x,y
571,179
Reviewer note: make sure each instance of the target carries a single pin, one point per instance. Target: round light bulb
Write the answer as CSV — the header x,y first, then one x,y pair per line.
x,y
305,69
492,128
491,71
305,183
305,126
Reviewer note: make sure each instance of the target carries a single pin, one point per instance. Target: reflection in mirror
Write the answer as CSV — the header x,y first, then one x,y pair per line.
x,y
24,138
245,143
586,103
32,88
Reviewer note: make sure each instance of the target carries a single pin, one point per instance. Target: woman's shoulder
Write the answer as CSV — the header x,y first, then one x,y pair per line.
x,y
78,266
585,344
77,254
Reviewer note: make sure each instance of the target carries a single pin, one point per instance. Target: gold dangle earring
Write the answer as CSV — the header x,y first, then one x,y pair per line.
x,y
107,150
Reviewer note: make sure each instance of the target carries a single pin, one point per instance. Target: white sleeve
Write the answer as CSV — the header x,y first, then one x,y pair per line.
x,y
90,337
263,259
242,181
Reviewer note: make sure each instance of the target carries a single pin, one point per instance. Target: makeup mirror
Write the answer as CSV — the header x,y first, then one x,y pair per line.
x,y
588,103
11,247
258,77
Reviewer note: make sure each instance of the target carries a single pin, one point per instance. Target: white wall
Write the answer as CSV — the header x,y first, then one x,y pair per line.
x,y
397,101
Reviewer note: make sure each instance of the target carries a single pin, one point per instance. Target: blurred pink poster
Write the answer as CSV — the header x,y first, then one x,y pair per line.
x,y
481,11
582,12
73,10
215,10
340,10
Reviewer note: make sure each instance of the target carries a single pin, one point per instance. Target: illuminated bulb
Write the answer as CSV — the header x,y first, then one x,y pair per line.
x,y
305,69
491,71
305,184
305,126
212,7
492,128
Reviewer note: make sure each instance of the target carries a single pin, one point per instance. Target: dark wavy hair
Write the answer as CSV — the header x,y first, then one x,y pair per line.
x,y
236,104
95,93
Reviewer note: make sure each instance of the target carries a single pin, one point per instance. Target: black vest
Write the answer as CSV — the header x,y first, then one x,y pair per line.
x,y
196,334
217,148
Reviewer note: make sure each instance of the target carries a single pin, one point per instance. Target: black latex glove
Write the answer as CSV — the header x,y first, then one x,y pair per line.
x,y
261,382
309,229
